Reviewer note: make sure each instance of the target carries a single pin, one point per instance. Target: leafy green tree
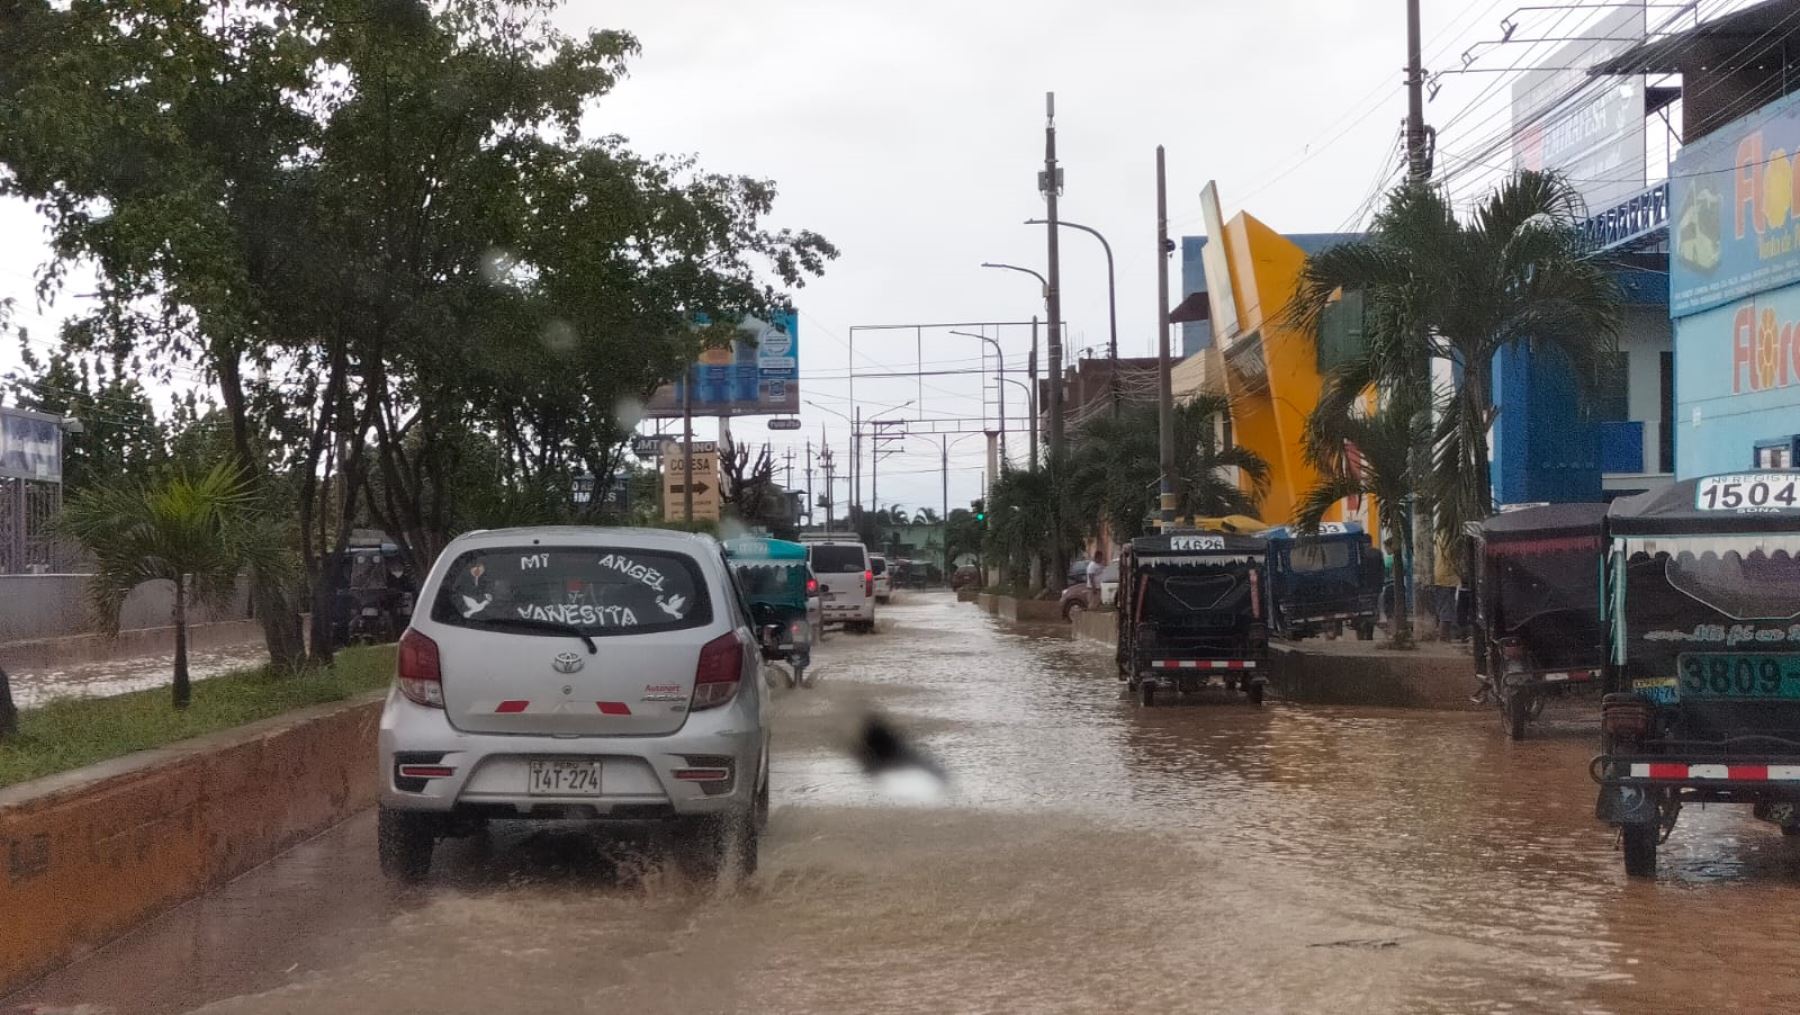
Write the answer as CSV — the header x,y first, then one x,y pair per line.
x,y
1368,455
376,228
1116,473
1028,520
198,533
1512,273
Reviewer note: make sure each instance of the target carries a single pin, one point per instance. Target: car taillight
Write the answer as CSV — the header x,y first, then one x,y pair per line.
x,y
812,586
868,583
1512,648
721,669
417,670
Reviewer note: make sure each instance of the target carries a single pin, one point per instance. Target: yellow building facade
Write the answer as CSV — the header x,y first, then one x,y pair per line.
x,y
1267,369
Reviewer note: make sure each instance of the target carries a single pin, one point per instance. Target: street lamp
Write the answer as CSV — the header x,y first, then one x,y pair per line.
x,y
1031,403
1112,302
1042,281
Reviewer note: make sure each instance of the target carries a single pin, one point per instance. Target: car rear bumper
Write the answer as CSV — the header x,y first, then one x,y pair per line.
x,y
487,772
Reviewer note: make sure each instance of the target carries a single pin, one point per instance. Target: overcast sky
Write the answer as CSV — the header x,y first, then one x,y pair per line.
x,y
911,134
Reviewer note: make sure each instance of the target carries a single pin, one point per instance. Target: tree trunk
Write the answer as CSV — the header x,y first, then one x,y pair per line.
x,y
184,692
9,715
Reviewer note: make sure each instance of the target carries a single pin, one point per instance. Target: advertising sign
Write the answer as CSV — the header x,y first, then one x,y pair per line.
x,y
759,374
1589,129
705,480
30,445
1218,269
1732,209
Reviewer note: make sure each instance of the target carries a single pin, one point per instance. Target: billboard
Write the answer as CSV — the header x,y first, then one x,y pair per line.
x,y
1590,130
1732,215
30,445
758,375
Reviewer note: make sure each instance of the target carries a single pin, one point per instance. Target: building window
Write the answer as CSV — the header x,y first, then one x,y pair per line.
x,y
1611,400
1775,456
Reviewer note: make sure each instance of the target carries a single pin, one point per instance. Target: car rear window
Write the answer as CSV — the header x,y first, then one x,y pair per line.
x,y
599,590
877,565
839,559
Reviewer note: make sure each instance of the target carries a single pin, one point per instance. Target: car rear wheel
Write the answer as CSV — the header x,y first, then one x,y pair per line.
x,y
1073,610
1255,692
404,841
1147,694
703,845
1640,848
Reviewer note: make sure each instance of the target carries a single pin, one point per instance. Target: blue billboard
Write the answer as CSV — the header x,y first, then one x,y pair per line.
x,y
1734,203
758,374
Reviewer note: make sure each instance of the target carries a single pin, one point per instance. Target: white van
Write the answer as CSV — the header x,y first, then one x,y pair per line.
x,y
846,582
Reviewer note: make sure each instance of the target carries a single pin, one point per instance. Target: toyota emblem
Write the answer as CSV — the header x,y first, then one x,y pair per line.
x,y
566,662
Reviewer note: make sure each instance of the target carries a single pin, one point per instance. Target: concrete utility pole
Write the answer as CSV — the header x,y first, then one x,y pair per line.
x,y
687,446
1418,173
809,488
1165,391
1418,161
825,464
856,458
1037,422
1051,185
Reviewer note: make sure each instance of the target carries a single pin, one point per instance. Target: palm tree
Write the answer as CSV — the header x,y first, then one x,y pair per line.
x,y
1433,286
1381,467
199,534
1023,521
1114,470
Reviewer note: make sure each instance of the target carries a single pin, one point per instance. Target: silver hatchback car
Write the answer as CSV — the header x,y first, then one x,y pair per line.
x,y
563,672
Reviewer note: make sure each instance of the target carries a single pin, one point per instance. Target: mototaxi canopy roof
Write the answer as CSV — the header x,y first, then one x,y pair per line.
x,y
1328,532
1546,528
754,548
1198,547
1767,501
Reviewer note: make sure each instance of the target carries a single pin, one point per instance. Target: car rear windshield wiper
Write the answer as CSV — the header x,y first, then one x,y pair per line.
x,y
554,626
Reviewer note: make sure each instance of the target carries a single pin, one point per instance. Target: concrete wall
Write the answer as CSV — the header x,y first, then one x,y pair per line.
x,y
92,853
55,605
1029,611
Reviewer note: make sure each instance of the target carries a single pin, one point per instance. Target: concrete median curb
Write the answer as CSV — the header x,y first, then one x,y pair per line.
x,y
92,853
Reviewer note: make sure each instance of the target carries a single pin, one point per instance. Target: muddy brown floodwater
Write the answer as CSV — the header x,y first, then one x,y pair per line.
x,y
1089,856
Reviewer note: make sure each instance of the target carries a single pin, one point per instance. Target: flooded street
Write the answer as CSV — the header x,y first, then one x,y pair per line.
x,y
1089,856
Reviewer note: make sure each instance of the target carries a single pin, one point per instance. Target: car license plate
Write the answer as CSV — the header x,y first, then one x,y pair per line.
x,y
564,778
1739,675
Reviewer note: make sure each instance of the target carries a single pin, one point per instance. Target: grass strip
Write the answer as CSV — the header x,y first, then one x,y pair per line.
x,y
72,732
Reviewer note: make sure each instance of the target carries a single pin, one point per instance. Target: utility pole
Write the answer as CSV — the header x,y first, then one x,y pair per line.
x,y
1165,392
825,463
809,488
1418,174
1031,369
687,445
1051,185
1418,160
856,460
